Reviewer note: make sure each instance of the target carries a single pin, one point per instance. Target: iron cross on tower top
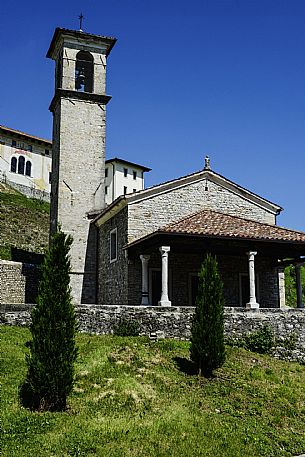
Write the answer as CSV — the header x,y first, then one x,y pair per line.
x,y
81,17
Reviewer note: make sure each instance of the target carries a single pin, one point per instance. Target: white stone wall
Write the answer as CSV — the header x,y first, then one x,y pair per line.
x,y
154,212
116,180
41,163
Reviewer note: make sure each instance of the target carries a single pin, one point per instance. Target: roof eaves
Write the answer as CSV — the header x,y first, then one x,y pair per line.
x,y
115,207
79,34
9,130
116,159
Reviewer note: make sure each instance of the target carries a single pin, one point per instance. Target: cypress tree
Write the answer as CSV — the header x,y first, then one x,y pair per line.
x,y
207,349
50,363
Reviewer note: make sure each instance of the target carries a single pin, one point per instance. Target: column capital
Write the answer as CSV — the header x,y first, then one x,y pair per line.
x,y
163,249
251,253
144,257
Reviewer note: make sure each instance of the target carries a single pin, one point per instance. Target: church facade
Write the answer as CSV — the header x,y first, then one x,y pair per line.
x,y
146,247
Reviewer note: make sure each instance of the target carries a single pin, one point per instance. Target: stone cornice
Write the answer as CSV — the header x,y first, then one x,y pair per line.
x,y
80,36
72,94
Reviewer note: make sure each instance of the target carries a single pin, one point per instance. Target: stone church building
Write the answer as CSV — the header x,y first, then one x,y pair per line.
x,y
146,247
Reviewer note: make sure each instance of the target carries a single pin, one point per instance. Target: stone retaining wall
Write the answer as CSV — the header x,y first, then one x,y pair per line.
x,y
158,322
18,282
28,191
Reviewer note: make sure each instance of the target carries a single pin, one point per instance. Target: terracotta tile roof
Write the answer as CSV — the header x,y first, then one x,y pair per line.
x,y
214,224
23,134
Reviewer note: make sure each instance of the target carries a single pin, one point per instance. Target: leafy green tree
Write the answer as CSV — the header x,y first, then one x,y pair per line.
x,y
50,363
207,335
290,286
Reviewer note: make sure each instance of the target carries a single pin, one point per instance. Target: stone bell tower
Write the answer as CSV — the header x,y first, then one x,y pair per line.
x,y
78,168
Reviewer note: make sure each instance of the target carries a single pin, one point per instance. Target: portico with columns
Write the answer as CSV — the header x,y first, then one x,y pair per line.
x,y
251,268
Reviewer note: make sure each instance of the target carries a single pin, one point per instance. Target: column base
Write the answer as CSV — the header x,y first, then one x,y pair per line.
x,y
252,305
164,303
145,301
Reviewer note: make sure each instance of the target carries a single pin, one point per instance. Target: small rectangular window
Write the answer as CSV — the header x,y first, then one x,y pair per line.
x,y
30,148
134,175
47,152
14,143
113,245
106,190
106,172
50,177
125,172
125,190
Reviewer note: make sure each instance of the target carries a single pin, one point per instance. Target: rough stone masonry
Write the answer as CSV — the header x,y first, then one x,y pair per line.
x,y
159,322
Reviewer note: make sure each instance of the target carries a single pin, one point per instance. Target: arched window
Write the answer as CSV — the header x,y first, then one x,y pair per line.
x,y
28,168
21,162
84,72
13,164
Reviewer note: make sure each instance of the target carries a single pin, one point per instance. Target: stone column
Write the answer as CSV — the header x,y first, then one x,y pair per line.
x,y
144,260
164,296
299,286
252,302
281,276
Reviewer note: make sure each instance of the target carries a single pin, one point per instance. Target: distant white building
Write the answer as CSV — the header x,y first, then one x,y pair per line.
x,y
26,162
122,178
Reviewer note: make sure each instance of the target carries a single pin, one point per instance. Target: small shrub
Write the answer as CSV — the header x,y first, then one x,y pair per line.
x,y
260,341
290,342
126,327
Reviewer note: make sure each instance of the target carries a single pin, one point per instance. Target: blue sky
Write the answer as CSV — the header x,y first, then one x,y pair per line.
x,y
219,77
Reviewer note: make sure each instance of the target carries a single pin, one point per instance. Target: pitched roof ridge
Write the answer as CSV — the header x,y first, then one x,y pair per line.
x,y
211,172
173,180
118,159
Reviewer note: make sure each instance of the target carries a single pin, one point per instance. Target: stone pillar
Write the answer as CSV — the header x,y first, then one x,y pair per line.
x,y
282,292
252,302
144,260
299,286
164,295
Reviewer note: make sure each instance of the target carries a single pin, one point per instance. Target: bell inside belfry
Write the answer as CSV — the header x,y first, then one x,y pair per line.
x,y
80,80
84,72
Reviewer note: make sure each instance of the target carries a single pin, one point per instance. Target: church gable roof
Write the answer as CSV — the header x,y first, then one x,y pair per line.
x,y
203,175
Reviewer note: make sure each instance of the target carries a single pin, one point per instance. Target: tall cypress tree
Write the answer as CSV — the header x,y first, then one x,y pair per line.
x,y
50,363
207,335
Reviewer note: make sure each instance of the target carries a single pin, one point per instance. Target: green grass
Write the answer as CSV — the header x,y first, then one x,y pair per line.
x,y
24,223
131,399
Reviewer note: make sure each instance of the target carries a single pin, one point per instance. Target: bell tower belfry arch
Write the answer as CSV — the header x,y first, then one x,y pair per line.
x,y
79,132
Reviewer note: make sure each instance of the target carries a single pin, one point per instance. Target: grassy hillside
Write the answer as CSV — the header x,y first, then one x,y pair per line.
x,y
24,224
136,398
